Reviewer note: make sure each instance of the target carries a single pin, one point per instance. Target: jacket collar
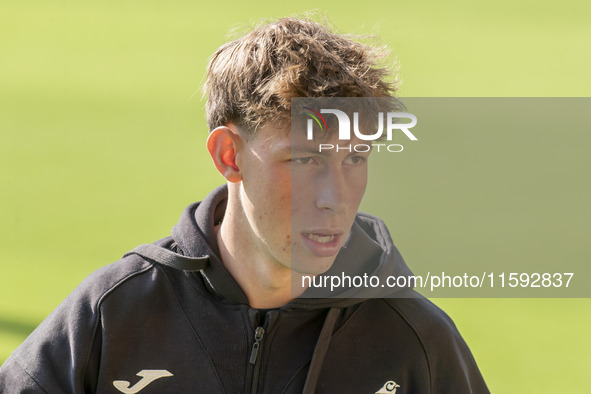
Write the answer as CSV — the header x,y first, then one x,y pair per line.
x,y
195,235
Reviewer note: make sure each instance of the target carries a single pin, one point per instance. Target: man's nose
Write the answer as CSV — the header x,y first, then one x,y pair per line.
x,y
332,191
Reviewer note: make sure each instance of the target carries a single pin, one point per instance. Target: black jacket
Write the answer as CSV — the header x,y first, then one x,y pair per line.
x,y
171,319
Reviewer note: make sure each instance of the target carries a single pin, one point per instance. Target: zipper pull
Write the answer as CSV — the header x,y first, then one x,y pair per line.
x,y
258,337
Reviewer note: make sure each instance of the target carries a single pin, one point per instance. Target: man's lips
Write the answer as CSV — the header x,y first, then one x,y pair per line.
x,y
323,242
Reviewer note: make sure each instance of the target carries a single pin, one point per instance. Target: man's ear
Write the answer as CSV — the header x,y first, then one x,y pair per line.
x,y
222,145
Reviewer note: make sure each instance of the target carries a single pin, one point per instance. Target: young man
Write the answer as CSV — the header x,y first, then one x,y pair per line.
x,y
212,308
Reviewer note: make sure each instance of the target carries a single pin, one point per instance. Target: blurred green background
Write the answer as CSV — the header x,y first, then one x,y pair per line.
x,y
102,143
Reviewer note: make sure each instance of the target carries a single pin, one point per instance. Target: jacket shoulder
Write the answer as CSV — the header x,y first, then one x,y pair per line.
x,y
71,333
423,316
451,364
102,282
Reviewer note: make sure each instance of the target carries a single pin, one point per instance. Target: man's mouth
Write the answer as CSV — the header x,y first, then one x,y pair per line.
x,y
323,242
323,239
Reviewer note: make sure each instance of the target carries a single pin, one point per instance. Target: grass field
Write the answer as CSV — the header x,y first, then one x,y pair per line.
x,y
101,147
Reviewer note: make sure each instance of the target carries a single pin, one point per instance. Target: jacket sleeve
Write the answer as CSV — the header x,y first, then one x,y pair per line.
x,y
14,379
62,355
54,357
452,367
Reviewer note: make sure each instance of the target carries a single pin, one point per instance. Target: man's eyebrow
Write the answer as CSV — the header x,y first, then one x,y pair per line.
x,y
302,149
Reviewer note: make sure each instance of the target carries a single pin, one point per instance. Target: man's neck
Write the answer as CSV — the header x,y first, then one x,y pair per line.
x,y
266,283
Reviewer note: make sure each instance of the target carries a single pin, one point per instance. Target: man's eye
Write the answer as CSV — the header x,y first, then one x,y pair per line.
x,y
303,160
356,160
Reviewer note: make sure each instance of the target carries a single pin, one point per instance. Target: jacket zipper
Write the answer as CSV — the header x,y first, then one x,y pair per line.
x,y
258,337
259,332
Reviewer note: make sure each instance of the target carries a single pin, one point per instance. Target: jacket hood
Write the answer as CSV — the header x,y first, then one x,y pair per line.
x,y
368,252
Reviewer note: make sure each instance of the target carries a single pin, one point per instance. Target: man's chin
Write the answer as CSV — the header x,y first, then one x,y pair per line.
x,y
312,266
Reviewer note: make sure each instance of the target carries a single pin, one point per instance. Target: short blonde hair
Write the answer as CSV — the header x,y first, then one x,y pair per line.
x,y
250,81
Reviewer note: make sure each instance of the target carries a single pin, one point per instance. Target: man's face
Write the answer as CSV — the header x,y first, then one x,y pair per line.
x,y
300,204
